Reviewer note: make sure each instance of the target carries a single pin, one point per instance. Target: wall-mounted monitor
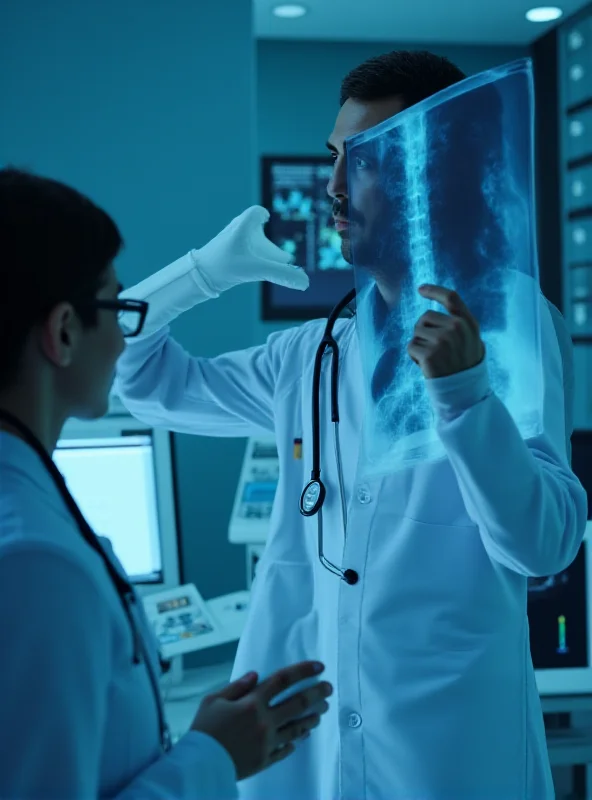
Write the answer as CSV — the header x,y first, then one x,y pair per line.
x,y
560,606
294,190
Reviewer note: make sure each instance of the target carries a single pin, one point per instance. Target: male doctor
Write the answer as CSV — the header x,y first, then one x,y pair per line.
x,y
429,650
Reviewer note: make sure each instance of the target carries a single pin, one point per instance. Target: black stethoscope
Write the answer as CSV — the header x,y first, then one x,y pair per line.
x,y
315,492
122,585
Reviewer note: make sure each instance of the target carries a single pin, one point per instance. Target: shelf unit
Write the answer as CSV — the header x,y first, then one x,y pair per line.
x,y
575,122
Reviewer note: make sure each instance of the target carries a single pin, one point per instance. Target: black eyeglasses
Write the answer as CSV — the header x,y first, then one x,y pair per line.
x,y
131,314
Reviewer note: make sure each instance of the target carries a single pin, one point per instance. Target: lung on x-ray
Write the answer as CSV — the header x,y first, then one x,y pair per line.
x,y
443,193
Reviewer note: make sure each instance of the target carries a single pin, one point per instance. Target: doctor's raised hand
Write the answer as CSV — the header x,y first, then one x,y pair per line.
x,y
241,253
445,344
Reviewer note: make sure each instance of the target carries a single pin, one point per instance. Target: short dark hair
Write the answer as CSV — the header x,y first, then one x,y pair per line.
x,y
410,74
55,246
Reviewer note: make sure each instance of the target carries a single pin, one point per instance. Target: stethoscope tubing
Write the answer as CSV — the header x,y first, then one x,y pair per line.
x,y
315,492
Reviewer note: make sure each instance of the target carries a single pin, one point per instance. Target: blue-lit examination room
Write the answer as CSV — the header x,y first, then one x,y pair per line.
x,y
295,400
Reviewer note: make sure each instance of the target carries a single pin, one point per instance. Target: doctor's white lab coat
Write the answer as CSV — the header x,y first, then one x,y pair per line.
x,y
429,652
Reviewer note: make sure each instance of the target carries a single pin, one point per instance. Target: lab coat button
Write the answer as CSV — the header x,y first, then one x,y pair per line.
x,y
354,720
364,495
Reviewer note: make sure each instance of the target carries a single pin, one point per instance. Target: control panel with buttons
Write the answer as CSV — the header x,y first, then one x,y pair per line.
x,y
184,622
255,493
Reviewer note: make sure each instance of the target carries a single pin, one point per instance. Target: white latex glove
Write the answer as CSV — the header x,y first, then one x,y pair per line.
x,y
241,253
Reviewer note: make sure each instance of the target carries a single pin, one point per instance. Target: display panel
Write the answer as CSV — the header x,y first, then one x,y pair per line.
x,y
558,618
295,193
121,474
113,481
559,606
259,492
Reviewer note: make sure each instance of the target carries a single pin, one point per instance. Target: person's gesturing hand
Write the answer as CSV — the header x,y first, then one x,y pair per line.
x,y
255,734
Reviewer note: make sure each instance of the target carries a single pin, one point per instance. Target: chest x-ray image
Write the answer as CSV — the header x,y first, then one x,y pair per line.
x,y
443,193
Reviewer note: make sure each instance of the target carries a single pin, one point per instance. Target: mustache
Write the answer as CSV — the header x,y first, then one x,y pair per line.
x,y
342,209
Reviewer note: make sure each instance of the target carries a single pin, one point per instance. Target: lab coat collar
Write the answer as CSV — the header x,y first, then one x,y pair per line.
x,y
383,321
386,330
387,324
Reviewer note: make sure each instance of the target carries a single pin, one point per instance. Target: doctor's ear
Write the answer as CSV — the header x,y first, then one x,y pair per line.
x,y
60,333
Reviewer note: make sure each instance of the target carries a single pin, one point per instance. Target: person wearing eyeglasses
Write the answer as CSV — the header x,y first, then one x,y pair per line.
x,y
82,715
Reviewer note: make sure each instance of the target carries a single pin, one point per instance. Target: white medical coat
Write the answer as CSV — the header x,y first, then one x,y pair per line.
x,y
78,719
429,652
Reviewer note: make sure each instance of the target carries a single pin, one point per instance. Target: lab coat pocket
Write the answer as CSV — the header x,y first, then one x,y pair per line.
x,y
427,494
447,593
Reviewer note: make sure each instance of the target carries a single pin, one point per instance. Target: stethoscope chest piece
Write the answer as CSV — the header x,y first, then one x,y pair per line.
x,y
312,498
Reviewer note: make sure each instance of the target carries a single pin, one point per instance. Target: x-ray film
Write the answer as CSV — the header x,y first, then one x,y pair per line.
x,y
443,193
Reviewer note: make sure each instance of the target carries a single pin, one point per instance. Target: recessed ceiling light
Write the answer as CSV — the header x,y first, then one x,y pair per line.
x,y
291,11
544,14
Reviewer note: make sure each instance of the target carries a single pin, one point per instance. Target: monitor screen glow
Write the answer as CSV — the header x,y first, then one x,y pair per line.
x,y
113,481
301,222
560,606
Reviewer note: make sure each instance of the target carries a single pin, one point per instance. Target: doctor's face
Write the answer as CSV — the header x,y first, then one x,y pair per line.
x,y
360,223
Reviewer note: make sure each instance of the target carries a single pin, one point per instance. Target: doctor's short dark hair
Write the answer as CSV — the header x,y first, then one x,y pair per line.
x,y
410,74
55,246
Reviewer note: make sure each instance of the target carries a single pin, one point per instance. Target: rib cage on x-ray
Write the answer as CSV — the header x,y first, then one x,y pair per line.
x,y
442,193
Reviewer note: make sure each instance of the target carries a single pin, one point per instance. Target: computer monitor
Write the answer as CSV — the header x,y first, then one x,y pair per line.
x,y
120,473
295,193
560,606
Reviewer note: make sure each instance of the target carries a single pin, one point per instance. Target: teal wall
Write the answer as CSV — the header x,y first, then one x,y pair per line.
x,y
149,108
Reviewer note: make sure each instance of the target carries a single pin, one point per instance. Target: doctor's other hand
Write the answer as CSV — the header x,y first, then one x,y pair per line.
x,y
445,344
241,253
255,734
